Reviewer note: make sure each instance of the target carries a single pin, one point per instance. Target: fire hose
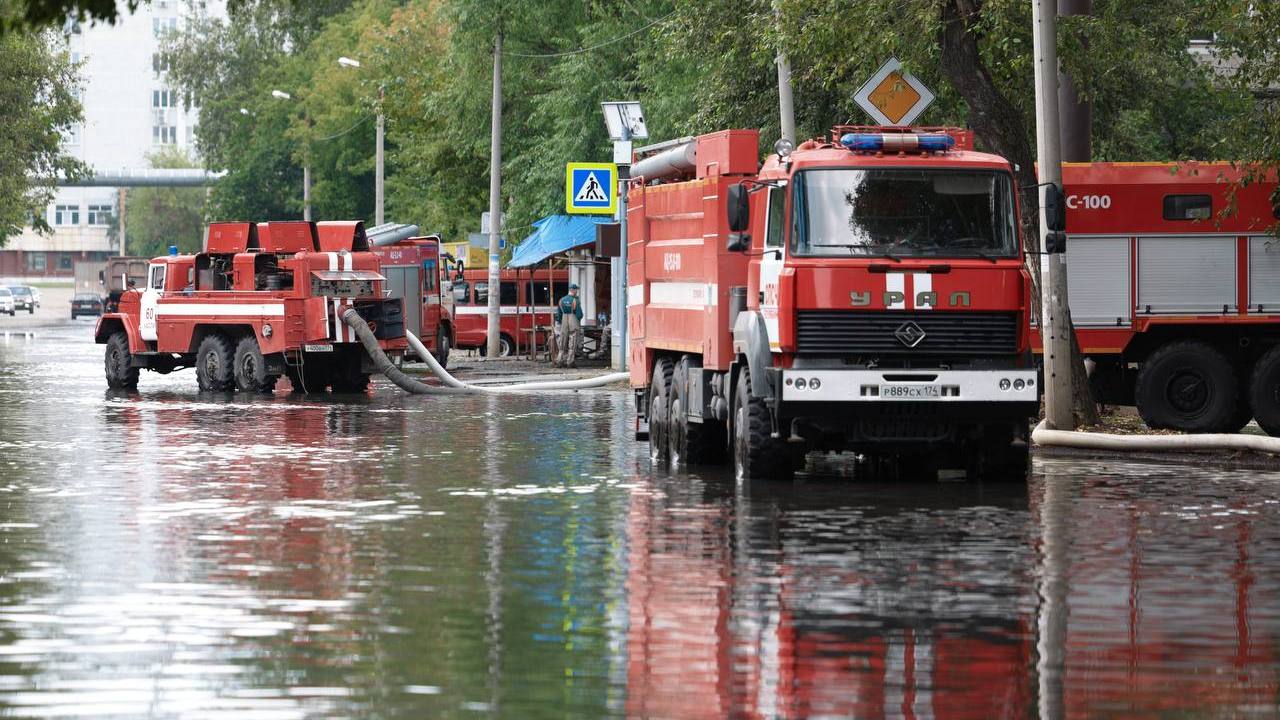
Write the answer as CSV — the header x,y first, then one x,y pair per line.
x,y
1042,435
452,385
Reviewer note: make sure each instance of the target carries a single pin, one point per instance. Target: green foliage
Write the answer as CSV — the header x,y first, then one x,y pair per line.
x,y
37,105
157,217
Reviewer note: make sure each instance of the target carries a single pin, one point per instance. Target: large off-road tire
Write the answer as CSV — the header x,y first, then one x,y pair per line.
x,y
659,429
690,443
215,363
251,368
442,347
1189,386
1264,392
347,377
117,362
1002,456
756,453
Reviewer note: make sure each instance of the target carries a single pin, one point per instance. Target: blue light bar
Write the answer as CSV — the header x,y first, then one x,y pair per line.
x,y
893,142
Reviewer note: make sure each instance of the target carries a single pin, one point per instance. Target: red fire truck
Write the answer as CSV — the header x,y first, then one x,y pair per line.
x,y
1174,284
864,292
261,301
414,274
521,308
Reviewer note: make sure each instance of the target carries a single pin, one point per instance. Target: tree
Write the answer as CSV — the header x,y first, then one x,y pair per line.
x,y
157,217
37,106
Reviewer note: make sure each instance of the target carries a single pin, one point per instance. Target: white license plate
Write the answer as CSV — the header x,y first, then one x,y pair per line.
x,y
317,348
910,392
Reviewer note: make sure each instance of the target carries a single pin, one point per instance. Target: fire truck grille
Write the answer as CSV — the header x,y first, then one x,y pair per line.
x,y
905,334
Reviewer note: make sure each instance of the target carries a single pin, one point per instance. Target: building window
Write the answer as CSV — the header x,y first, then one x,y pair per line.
x,y
64,261
66,215
164,98
36,261
72,135
164,134
161,25
159,64
98,214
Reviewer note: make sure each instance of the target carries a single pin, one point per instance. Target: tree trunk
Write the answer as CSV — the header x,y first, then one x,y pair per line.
x,y
1004,131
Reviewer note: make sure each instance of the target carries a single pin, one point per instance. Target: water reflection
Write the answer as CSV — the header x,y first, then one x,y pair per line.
x,y
168,554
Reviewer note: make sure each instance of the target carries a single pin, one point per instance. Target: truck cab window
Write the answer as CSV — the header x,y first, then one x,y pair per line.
x,y
429,275
777,216
157,277
462,292
482,293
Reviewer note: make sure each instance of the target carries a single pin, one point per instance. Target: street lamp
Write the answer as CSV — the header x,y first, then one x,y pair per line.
x,y
306,165
379,152
625,121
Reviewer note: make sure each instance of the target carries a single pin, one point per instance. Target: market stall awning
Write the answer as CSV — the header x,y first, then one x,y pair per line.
x,y
553,235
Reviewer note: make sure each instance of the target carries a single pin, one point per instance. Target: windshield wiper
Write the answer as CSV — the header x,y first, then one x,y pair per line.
x,y
985,256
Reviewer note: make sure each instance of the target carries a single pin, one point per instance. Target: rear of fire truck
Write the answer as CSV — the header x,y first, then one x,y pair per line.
x,y
876,303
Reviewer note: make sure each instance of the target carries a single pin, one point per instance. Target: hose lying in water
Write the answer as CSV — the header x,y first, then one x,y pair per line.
x,y
452,385
1042,435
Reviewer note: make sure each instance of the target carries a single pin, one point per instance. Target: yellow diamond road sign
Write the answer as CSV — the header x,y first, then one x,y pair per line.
x,y
894,96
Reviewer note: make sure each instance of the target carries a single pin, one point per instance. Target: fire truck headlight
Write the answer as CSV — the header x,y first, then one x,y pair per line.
x,y
1005,384
266,330
800,383
1019,384
815,383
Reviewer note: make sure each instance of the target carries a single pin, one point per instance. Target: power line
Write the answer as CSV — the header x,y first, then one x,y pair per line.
x,y
579,51
344,132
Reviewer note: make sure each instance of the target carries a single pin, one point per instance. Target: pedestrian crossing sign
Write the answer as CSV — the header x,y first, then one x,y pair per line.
x,y
591,188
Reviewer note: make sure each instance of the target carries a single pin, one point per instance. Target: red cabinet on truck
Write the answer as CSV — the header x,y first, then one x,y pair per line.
x,y
522,307
864,292
1174,285
262,300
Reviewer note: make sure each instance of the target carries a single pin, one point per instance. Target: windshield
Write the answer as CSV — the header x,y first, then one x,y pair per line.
x,y
20,291
4,292
910,213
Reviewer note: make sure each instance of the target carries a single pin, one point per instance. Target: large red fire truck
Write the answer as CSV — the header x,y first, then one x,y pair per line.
x,y
414,274
1174,285
262,300
863,292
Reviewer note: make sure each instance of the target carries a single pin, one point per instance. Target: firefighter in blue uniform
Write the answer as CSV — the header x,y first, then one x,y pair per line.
x,y
569,319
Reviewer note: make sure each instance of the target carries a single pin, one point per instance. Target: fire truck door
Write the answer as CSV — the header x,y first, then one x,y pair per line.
x,y
150,298
771,260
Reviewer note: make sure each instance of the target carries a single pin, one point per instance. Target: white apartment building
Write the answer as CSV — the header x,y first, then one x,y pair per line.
x,y
129,112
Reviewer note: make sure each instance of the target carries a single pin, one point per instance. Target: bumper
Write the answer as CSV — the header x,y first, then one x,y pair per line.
x,y
941,387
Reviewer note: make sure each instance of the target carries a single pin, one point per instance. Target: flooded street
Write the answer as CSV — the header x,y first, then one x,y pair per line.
x,y
168,554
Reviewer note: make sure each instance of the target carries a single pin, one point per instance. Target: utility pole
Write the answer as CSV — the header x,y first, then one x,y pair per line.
x,y
621,315
495,199
1055,326
306,191
786,109
378,216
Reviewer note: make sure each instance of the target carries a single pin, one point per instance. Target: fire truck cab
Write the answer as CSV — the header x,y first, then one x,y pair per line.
x,y
261,301
1173,276
862,292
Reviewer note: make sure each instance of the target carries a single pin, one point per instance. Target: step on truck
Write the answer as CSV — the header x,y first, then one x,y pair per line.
x,y
1174,285
863,292
261,301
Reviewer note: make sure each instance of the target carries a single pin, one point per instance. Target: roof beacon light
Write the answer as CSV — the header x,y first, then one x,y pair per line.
x,y
897,142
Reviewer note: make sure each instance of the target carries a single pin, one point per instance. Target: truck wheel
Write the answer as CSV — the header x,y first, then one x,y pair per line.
x,y
1005,457
347,377
1264,392
251,368
690,443
121,375
659,389
214,362
505,346
442,347
756,454
1188,386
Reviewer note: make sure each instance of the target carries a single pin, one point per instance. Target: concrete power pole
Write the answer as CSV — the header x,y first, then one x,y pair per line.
x,y
495,199
306,191
1055,325
378,216
786,109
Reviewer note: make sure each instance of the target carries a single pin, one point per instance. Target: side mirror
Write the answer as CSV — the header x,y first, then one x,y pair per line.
x,y
739,208
1055,209
738,241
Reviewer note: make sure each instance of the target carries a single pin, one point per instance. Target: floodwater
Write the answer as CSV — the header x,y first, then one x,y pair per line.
x,y
166,554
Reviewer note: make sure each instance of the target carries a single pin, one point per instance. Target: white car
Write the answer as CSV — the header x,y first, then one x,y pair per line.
x,y
6,302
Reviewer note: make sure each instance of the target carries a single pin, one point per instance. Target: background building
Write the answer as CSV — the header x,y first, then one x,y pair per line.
x,y
129,112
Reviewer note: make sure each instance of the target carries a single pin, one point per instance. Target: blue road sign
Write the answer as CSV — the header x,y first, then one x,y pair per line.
x,y
591,188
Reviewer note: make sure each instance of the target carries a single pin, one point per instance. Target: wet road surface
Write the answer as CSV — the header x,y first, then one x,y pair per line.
x,y
167,554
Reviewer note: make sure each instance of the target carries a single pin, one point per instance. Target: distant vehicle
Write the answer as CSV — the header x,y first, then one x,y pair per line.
x,y
23,298
519,310
35,294
6,301
86,304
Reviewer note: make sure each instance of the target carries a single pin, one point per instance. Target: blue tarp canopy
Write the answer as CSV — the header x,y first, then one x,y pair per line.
x,y
555,234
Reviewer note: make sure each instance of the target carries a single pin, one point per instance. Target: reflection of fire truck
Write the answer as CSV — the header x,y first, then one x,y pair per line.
x,y
864,292
522,307
414,274
261,301
1175,291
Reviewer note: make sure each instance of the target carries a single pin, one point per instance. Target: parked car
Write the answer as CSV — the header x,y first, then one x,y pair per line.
x,y
6,302
23,298
86,304
35,293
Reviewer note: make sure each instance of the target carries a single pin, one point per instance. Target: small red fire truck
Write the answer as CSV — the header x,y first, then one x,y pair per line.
x,y
262,300
1174,285
864,292
521,307
414,274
